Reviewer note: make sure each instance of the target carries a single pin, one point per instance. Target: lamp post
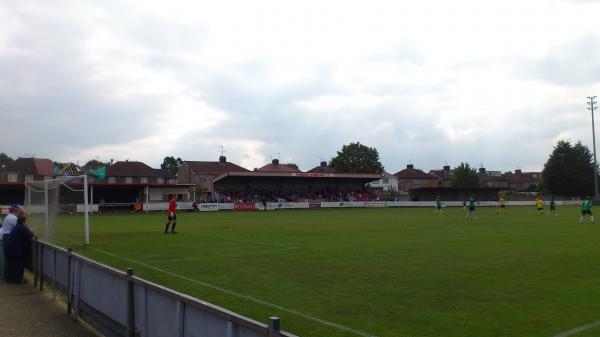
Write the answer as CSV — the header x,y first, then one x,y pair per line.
x,y
592,108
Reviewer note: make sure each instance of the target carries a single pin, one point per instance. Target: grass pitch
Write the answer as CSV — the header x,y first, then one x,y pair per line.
x,y
382,272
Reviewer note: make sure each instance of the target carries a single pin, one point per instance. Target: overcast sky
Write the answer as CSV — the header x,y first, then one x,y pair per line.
x,y
425,82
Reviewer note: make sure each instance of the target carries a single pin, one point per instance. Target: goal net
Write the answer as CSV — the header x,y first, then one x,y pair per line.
x,y
58,210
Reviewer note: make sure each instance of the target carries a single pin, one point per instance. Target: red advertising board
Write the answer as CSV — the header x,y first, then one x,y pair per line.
x,y
244,206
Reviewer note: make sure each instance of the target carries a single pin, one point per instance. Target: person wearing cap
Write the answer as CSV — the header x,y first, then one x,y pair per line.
x,y
17,247
9,223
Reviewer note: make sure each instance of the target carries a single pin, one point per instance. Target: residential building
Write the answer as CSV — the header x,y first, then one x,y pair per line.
x,y
492,179
23,170
322,168
523,181
444,175
202,173
275,167
410,178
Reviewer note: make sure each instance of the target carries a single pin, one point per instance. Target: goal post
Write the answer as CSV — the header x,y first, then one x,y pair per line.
x,y
58,209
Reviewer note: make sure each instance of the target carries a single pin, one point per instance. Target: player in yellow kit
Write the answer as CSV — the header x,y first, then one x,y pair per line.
x,y
501,205
539,204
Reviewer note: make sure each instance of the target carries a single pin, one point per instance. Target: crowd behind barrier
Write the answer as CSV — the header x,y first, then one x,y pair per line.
x,y
323,195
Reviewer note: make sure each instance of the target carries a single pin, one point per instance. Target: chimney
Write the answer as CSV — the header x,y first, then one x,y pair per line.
x,y
275,161
410,166
222,160
323,164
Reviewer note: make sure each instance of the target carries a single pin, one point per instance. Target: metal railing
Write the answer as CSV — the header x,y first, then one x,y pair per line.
x,y
117,303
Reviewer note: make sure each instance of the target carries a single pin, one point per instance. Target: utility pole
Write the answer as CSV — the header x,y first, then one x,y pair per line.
x,y
592,108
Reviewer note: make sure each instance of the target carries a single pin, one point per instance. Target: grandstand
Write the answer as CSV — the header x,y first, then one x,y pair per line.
x,y
292,186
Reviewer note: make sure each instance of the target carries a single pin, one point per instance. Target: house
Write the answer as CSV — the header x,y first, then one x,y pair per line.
x,y
444,175
491,179
523,181
28,169
129,172
275,167
202,173
132,182
14,176
322,168
410,178
165,177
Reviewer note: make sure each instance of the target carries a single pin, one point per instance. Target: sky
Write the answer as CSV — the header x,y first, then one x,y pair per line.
x,y
429,83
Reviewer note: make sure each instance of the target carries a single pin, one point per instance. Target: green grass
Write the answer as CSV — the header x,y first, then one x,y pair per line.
x,y
386,272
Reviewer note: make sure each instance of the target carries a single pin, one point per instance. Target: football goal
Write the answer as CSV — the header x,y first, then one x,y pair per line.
x,y
58,209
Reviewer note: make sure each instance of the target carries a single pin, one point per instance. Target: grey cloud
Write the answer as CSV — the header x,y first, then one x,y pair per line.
x,y
576,63
140,28
47,88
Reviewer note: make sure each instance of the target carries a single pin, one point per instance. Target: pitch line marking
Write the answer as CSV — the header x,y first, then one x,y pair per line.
x,y
578,329
240,240
220,256
246,297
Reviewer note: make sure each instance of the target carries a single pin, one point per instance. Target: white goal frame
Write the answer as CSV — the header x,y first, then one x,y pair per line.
x,y
29,187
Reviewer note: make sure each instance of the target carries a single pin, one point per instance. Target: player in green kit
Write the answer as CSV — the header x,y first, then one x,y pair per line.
x,y
471,203
586,209
438,205
552,206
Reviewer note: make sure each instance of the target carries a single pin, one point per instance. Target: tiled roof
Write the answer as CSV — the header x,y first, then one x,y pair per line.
x,y
165,174
277,168
411,173
322,169
522,177
34,166
129,169
214,167
443,174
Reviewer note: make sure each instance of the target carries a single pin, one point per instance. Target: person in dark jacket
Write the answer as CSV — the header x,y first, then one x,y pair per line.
x,y
17,247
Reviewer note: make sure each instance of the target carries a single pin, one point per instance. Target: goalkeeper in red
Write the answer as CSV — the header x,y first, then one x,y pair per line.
x,y
172,217
586,209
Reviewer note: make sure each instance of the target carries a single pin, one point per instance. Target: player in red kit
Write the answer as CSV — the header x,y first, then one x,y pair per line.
x,y
172,217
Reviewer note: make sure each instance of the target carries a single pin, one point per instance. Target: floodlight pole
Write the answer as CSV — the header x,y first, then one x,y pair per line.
x,y
592,108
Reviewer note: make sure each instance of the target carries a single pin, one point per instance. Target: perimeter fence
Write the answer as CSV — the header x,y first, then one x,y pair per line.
x,y
117,303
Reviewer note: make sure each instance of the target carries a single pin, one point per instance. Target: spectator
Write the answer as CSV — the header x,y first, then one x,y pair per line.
x,y
17,248
9,223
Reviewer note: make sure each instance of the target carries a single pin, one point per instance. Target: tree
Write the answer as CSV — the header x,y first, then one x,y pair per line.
x,y
357,158
569,170
171,164
465,176
95,163
5,160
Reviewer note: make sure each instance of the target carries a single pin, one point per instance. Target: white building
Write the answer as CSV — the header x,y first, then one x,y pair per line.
x,y
387,183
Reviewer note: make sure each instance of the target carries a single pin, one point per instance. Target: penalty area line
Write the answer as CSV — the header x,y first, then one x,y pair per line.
x,y
233,293
578,329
